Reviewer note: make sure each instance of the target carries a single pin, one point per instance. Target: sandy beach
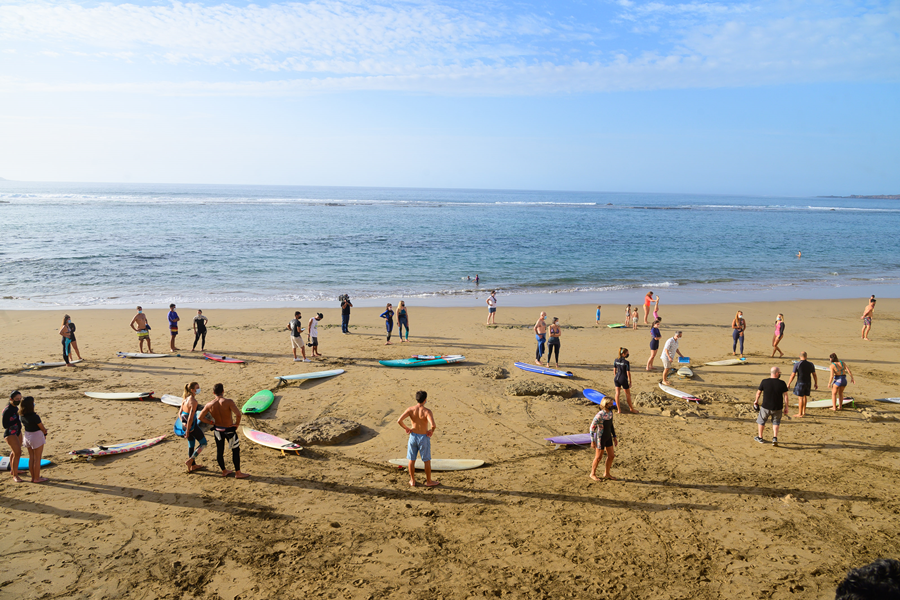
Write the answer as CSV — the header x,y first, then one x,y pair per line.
x,y
700,510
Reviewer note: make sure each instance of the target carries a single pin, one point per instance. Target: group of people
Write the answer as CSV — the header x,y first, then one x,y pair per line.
x,y
22,428
223,416
141,325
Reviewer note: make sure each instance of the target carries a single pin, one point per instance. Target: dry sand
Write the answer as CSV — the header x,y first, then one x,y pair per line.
x,y
700,509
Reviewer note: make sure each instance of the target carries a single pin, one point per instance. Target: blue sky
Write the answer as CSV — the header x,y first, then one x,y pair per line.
x,y
770,98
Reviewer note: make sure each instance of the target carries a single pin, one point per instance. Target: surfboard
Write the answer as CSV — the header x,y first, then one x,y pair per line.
x,y
271,441
313,375
576,439
543,370
120,395
616,325
726,363
23,463
894,400
223,359
419,362
826,403
43,365
139,355
441,464
118,448
258,402
818,368
685,372
171,400
678,393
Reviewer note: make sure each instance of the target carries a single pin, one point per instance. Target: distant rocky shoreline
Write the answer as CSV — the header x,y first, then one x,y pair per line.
x,y
881,197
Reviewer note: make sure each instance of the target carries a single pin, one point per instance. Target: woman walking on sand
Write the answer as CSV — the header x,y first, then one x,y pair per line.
x,y
622,379
655,336
12,433
35,437
838,383
402,321
603,437
66,340
779,333
648,300
738,326
388,316
553,342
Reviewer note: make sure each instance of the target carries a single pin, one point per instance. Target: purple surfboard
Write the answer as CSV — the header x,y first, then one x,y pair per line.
x,y
577,439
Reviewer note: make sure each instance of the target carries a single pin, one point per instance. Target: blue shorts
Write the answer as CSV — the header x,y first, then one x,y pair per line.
x,y
420,444
840,381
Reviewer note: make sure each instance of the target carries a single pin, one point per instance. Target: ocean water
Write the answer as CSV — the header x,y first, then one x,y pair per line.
x,y
106,245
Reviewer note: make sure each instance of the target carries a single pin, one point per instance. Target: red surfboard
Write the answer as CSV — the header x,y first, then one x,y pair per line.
x,y
223,359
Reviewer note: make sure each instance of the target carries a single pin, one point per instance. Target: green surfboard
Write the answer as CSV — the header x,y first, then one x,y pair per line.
x,y
258,402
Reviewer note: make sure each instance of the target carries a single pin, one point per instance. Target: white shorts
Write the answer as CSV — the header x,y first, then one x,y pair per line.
x,y
665,361
34,439
296,342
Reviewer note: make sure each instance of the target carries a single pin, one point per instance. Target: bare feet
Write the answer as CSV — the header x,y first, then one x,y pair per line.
x,y
193,468
412,484
39,480
432,483
240,475
387,343
539,363
594,477
227,473
637,412
610,477
798,415
18,479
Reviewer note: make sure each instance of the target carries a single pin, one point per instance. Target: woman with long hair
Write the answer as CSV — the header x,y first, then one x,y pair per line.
x,y
622,379
779,333
839,371
738,326
66,339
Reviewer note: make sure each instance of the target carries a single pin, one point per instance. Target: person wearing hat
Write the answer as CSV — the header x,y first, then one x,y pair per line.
x,y
312,334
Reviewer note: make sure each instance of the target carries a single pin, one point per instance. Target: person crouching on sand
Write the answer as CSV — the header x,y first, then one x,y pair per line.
x,y
420,433
603,437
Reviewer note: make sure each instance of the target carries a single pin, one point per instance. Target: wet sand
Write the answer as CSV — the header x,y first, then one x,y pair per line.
x,y
700,510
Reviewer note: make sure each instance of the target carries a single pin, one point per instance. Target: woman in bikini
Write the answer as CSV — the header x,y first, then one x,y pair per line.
x,y
779,333
839,372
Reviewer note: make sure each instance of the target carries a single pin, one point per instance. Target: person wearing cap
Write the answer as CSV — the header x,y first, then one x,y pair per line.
x,y
173,326
312,334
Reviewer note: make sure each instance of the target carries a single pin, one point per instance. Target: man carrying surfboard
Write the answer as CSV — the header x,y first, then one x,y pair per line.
x,y
218,414
420,433
142,327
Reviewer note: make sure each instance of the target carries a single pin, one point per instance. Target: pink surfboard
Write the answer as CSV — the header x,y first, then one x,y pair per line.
x,y
223,359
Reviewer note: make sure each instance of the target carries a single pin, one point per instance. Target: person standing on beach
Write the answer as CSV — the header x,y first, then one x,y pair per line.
x,y
805,372
74,343
12,433
142,327
218,414
627,315
622,379
634,319
779,333
553,342
738,326
296,329
866,317
668,355
838,382
173,326
603,438
66,340
775,400
199,331
34,438
388,316
189,424
346,305
648,300
492,307
312,334
598,315
655,336
402,321
540,334
420,433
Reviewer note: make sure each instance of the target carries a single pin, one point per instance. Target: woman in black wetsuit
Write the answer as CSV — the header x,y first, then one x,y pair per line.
x,y
603,437
622,380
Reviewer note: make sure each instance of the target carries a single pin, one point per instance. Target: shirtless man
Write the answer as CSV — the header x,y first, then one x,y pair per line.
x,y
867,318
217,414
419,437
540,334
139,324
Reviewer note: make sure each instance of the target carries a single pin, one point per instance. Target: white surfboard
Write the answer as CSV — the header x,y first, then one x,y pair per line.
x,y
43,365
727,363
818,367
140,355
313,375
441,464
685,372
678,393
119,395
894,400
826,403
171,400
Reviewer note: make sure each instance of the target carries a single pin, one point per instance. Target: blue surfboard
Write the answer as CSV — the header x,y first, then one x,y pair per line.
x,y
179,428
595,396
23,463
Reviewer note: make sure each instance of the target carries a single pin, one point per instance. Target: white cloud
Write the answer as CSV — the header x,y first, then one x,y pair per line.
x,y
347,45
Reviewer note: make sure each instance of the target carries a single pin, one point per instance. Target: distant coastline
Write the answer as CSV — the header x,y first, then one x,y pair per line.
x,y
880,197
